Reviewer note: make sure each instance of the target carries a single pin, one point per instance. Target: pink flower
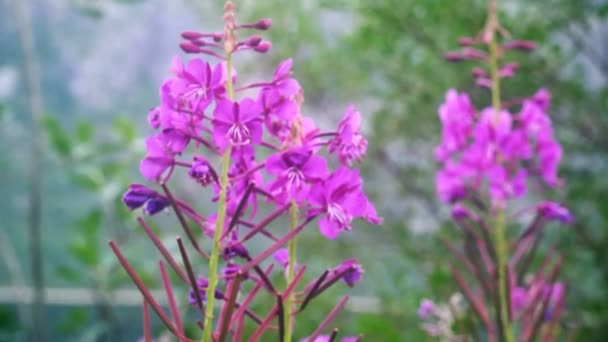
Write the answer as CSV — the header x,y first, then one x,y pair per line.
x,y
348,143
237,123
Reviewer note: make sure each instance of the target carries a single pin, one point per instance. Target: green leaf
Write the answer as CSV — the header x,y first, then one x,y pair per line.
x,y
90,224
125,128
84,131
59,139
84,250
73,321
68,274
89,178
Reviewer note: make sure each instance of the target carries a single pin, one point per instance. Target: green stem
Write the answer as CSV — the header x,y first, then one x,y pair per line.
x,y
221,217
291,272
500,224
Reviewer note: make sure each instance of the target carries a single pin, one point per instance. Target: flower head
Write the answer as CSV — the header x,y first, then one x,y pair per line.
x,y
237,123
349,143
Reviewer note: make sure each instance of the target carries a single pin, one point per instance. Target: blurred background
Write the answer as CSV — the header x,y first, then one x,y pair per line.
x,y
77,78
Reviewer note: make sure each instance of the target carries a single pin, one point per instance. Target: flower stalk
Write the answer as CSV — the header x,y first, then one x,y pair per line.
x,y
221,217
291,272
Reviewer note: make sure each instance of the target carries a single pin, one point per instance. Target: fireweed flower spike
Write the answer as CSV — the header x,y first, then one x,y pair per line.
x,y
271,155
487,157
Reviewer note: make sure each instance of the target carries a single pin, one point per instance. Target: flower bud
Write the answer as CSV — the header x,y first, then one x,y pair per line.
x,y
253,41
156,205
479,72
522,45
189,47
263,24
263,47
466,41
453,56
192,35
426,308
137,196
555,212
202,172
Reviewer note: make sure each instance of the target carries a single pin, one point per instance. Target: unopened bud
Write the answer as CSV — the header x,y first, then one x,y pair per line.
x,y
508,70
189,47
263,47
263,24
191,35
466,41
454,56
470,53
523,45
253,41
479,72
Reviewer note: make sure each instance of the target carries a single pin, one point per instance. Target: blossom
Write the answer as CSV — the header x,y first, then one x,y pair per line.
x,y
237,123
201,286
295,169
555,212
348,143
139,195
197,84
202,172
352,272
456,115
160,157
426,308
340,199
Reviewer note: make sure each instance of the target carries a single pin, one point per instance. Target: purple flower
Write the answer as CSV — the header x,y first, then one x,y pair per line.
x,y
295,169
348,143
426,309
237,123
202,172
137,196
340,199
519,298
326,338
456,115
353,272
555,211
201,286
197,84
282,257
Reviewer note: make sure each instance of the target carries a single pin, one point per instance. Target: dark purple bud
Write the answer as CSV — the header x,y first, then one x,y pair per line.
x,y
484,82
471,53
453,56
523,45
192,35
263,47
137,195
231,270
234,251
479,72
189,47
466,41
460,212
201,285
202,172
555,212
353,273
508,70
156,205
263,24
426,309
253,41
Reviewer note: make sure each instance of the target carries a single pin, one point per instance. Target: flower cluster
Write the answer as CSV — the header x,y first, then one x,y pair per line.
x,y
272,145
487,158
260,158
496,150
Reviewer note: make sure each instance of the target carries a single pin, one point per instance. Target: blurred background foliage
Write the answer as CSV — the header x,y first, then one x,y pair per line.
x,y
99,58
